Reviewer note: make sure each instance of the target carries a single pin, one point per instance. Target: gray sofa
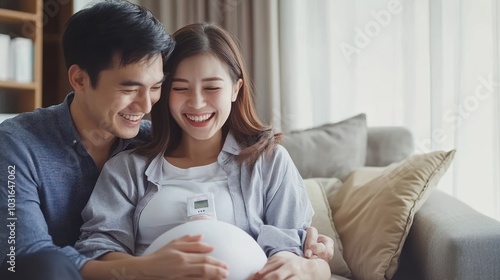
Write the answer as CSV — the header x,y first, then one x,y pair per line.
x,y
448,240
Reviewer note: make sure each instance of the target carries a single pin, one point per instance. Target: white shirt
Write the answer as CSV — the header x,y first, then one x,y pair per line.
x,y
168,207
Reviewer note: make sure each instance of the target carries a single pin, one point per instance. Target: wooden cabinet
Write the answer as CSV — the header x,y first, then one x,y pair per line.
x,y
23,18
43,22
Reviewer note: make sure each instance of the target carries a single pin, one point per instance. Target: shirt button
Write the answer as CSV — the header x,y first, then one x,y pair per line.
x,y
74,141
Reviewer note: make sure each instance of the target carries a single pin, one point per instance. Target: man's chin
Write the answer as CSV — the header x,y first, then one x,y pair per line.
x,y
128,133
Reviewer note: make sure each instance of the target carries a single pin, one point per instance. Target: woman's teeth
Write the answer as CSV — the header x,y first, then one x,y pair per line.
x,y
201,118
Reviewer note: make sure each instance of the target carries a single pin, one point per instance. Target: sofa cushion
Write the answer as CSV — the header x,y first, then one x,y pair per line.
x,y
374,209
388,144
323,220
331,150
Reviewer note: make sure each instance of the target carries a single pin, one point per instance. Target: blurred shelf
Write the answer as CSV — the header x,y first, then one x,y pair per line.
x,y
12,16
16,85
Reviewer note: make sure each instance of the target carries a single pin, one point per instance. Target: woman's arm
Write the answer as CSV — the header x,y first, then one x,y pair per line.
x,y
288,210
108,217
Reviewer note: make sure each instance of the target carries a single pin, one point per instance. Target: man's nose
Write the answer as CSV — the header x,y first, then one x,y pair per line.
x,y
144,102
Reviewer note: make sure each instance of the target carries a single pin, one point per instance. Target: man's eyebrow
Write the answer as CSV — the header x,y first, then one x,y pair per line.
x,y
129,83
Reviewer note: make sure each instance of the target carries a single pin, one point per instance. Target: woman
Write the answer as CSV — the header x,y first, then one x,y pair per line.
x,y
206,139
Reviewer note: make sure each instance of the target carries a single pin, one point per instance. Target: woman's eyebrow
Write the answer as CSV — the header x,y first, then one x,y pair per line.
x,y
179,80
203,80
212,79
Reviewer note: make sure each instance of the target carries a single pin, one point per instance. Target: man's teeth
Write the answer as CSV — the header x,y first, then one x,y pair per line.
x,y
131,117
201,118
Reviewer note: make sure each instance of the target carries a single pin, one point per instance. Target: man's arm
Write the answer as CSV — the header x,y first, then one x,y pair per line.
x,y
318,245
286,265
24,229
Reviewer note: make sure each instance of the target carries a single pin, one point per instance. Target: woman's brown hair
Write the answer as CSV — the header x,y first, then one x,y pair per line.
x,y
252,135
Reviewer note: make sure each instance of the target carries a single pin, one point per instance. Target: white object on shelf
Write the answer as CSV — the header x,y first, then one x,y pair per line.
x,y
22,55
4,57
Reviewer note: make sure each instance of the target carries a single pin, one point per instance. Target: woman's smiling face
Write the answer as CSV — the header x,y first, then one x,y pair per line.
x,y
201,95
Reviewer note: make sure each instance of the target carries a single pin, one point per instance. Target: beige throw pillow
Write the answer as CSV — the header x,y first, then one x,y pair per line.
x,y
323,222
374,209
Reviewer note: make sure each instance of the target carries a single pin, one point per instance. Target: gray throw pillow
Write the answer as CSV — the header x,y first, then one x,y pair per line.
x,y
331,150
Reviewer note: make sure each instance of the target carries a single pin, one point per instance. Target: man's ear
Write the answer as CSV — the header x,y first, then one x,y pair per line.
x,y
236,89
78,78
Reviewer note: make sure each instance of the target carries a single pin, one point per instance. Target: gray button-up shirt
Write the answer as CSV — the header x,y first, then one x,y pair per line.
x,y
270,201
46,178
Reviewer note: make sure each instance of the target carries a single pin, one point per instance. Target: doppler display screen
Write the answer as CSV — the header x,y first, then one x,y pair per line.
x,y
200,204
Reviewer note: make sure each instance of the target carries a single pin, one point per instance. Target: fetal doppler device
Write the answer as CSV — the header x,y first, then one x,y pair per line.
x,y
201,207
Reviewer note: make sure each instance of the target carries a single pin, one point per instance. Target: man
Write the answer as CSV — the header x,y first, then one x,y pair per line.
x,y
50,158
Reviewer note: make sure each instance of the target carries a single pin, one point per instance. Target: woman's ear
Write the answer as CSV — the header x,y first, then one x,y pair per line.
x,y
236,89
78,78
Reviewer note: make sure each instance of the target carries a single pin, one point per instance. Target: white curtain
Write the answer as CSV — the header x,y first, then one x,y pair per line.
x,y
429,65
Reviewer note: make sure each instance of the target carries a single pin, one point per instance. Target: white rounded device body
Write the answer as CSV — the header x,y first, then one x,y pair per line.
x,y
232,245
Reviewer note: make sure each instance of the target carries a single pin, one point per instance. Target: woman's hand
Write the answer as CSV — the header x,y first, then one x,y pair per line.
x,y
182,258
185,258
287,265
318,245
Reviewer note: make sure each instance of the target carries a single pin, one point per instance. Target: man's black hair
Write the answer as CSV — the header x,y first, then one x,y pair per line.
x,y
94,35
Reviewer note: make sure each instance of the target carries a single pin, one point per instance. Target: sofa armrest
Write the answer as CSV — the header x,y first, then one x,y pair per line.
x,y
450,240
387,145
